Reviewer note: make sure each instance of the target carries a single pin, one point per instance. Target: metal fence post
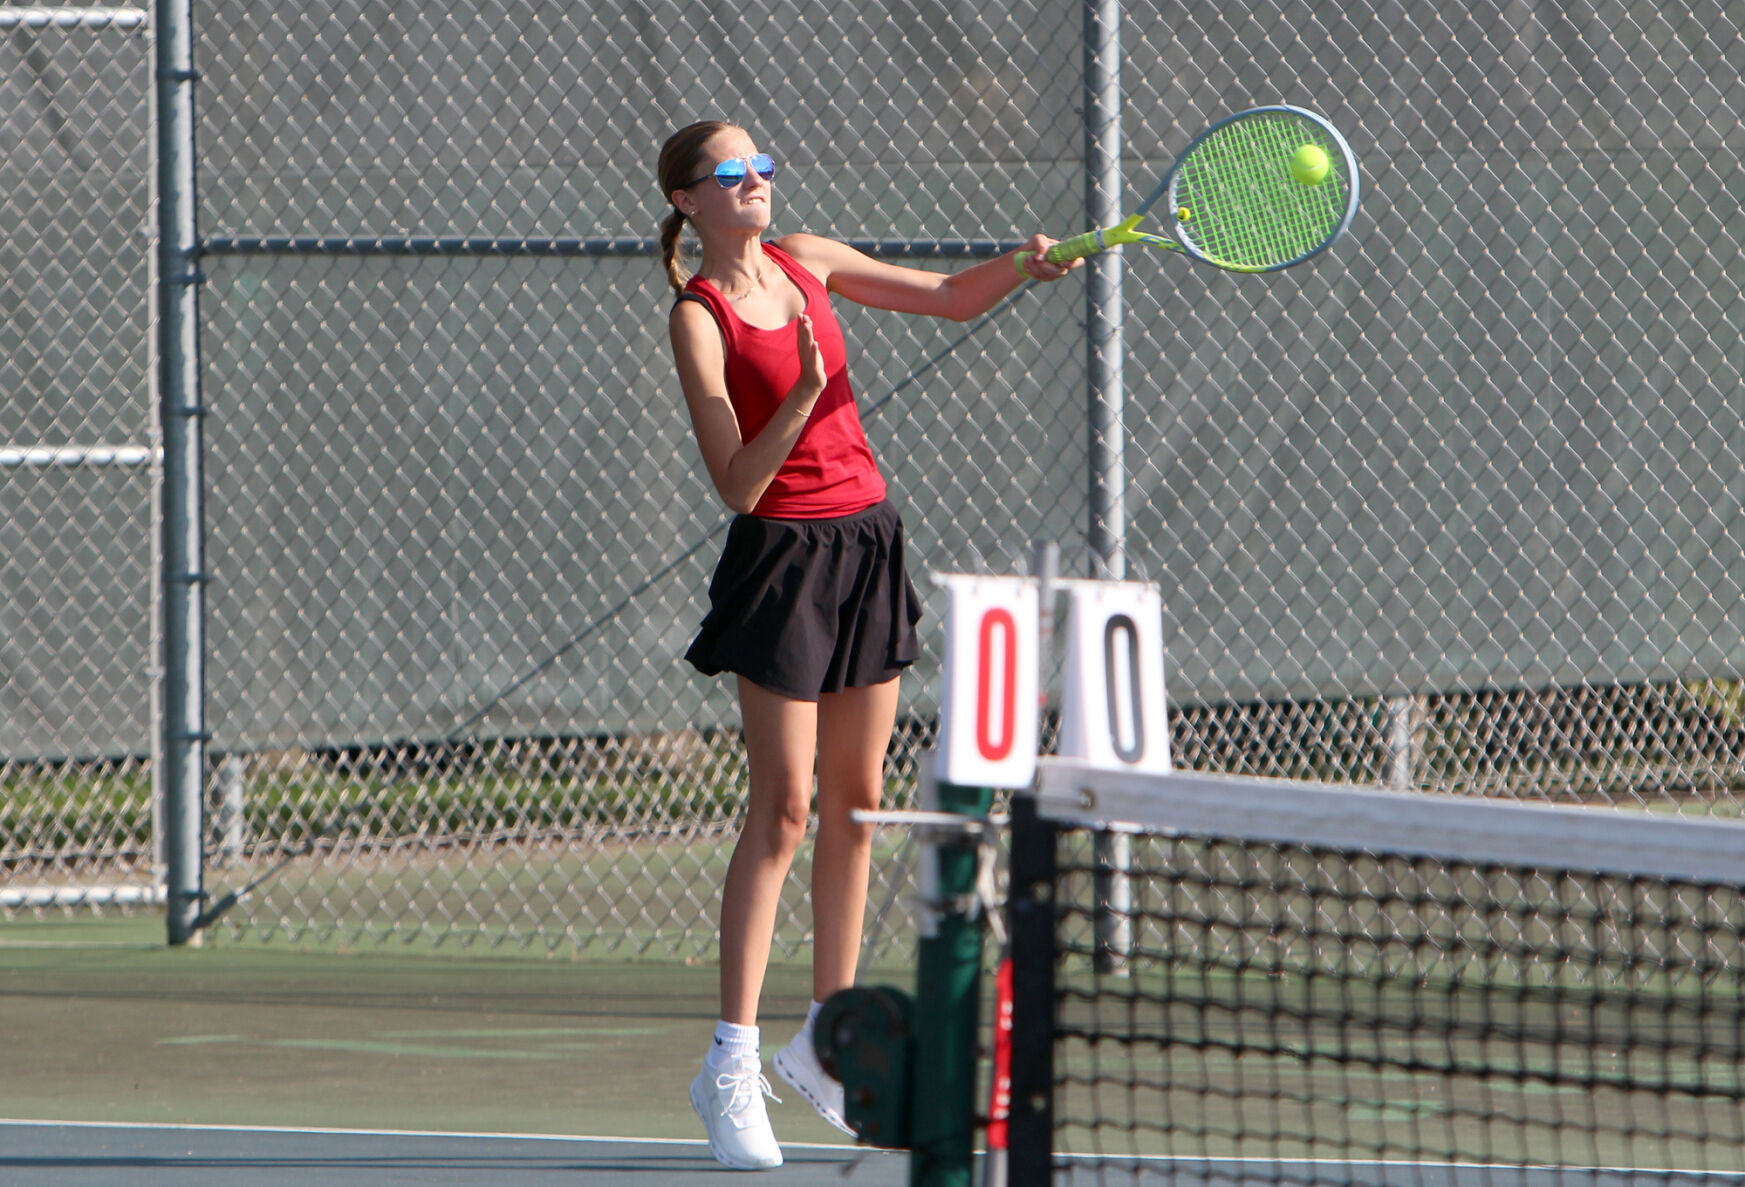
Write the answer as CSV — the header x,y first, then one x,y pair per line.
x,y
1107,529
1103,299
183,578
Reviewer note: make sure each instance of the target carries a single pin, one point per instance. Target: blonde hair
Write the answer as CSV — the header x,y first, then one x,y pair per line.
x,y
680,157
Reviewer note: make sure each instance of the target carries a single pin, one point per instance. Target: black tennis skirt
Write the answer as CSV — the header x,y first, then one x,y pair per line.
x,y
804,607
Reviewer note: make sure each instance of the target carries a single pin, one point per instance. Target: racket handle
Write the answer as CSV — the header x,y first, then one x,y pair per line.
x,y
1076,248
1088,244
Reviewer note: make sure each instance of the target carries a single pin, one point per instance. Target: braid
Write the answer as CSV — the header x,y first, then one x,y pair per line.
x,y
679,158
670,227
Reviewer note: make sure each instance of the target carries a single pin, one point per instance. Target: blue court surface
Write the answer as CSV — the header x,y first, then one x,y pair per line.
x,y
50,1154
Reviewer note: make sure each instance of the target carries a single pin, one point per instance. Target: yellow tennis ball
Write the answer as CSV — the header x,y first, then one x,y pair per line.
x,y
1310,165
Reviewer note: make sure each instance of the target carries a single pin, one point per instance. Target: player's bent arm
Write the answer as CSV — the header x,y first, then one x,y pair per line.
x,y
956,296
740,470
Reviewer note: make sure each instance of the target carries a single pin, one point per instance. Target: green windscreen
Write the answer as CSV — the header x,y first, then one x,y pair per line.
x,y
1243,207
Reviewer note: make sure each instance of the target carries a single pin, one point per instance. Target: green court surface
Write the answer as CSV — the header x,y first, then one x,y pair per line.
x,y
106,1024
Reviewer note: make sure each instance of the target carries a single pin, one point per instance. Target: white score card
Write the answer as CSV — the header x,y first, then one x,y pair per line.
x,y
1113,713
989,717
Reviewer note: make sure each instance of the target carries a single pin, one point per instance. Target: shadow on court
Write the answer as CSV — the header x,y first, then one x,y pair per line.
x,y
105,1025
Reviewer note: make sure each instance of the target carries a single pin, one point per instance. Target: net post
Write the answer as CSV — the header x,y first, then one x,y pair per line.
x,y
1030,926
942,1127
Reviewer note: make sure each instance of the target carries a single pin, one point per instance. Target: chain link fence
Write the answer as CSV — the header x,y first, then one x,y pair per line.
x,y
77,457
1459,507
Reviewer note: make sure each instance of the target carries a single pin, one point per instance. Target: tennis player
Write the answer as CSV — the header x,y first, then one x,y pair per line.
x,y
810,608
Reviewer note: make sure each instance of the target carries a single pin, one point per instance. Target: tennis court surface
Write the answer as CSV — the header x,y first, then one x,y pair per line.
x,y
37,1155
1216,981
243,1065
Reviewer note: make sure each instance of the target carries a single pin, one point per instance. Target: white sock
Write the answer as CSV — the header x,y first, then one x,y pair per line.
x,y
732,1041
811,1016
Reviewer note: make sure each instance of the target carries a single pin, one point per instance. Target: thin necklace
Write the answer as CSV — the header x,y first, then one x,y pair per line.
x,y
756,284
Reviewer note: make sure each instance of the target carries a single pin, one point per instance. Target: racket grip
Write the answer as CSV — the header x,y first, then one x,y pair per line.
x,y
1067,250
1076,248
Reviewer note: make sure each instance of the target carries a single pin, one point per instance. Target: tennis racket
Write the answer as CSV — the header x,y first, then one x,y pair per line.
x,y
1261,190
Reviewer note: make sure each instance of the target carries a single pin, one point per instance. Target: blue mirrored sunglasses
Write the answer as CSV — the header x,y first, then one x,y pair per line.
x,y
729,174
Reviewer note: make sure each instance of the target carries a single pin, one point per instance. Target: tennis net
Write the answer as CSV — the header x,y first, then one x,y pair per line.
x,y
1223,981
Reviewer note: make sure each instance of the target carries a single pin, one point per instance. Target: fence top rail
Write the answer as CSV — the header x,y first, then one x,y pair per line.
x,y
508,245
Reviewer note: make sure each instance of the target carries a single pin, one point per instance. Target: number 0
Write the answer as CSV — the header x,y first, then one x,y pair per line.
x,y
1121,624
994,749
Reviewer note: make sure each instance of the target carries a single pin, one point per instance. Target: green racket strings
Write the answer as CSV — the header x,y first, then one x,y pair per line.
x,y
1245,210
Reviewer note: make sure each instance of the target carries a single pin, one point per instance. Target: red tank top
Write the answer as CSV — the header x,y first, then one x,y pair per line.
x,y
831,470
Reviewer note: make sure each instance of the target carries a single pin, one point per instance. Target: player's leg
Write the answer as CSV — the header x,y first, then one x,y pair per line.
x,y
780,741
780,738
854,732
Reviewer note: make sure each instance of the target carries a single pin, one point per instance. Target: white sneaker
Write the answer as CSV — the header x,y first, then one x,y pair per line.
x,y
730,1102
797,1063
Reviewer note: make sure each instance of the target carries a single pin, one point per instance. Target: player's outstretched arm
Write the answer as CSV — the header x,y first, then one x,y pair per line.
x,y
957,296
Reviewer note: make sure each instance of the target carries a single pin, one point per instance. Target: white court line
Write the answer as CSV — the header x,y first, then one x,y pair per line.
x,y
319,1131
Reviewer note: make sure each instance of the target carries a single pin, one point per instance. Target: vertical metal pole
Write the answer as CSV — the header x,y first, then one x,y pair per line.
x,y
1103,311
179,411
1030,923
1103,301
1399,724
